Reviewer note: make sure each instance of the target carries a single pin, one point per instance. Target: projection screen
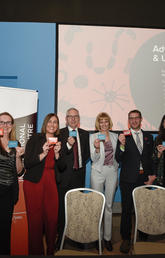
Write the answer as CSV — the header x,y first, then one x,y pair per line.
x,y
111,69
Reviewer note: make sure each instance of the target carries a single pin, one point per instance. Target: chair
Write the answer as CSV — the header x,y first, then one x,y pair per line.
x,y
149,205
84,209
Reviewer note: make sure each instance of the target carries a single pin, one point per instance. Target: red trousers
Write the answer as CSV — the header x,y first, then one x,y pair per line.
x,y
42,212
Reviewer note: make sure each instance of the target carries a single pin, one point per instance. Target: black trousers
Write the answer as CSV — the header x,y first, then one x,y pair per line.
x,y
6,212
127,206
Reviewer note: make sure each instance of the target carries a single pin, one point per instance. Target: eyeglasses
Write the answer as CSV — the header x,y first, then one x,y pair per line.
x,y
8,123
73,117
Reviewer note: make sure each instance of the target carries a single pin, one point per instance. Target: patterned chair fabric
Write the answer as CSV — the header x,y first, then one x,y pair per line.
x,y
150,209
149,204
84,209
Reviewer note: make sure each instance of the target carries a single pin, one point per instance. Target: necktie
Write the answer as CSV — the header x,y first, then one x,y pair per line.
x,y
75,152
138,143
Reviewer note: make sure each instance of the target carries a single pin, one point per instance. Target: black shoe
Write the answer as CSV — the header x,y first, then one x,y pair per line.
x,y
97,245
125,246
143,236
58,243
108,245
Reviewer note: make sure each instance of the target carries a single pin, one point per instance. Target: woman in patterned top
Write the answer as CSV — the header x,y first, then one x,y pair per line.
x,y
10,167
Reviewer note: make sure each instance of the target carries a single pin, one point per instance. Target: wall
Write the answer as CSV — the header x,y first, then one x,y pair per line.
x,y
27,51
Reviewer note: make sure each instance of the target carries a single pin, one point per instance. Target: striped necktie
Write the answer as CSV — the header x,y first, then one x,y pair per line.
x,y
75,153
138,143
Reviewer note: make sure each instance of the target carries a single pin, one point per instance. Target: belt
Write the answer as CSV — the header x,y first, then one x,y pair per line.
x,y
141,171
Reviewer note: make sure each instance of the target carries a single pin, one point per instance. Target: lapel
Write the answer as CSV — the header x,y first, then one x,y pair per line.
x,y
80,136
113,141
145,138
67,132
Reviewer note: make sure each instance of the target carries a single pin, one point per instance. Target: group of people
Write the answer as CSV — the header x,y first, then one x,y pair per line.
x,y
54,161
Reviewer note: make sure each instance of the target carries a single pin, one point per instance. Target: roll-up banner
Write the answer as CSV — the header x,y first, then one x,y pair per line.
x,y
22,105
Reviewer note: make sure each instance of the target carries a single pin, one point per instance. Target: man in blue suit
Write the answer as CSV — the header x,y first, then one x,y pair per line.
x,y
134,153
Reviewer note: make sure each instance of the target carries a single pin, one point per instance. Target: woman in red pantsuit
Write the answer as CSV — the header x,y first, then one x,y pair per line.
x,y
42,163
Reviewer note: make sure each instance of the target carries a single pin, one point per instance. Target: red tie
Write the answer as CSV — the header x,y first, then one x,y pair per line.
x,y
75,151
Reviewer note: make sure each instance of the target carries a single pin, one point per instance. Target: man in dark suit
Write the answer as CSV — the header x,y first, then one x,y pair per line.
x,y
73,140
134,153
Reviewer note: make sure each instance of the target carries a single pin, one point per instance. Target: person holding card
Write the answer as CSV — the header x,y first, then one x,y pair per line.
x,y
134,153
43,163
104,168
159,155
11,167
75,148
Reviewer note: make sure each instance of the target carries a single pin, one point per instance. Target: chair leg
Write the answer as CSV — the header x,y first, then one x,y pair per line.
x,y
100,247
62,241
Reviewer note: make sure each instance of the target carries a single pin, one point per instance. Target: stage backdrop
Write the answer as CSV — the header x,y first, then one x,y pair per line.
x,y
22,105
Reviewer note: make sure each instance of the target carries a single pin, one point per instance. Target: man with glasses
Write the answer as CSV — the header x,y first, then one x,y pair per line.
x,y
75,148
134,153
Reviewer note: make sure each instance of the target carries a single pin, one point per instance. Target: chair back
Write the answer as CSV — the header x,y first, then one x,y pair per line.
x,y
84,209
149,205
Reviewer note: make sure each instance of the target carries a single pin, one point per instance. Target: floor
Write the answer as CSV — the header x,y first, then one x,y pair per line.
x,y
116,241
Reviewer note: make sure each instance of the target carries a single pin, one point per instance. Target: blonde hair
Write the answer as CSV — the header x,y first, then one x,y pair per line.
x,y
100,116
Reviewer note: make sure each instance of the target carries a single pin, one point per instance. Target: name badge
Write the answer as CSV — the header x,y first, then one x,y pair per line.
x,y
12,144
1,132
127,132
101,137
163,143
52,140
73,133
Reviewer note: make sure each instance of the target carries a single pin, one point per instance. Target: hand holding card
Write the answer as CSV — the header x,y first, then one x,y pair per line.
x,y
1,131
122,139
101,137
163,143
127,132
12,144
52,140
73,133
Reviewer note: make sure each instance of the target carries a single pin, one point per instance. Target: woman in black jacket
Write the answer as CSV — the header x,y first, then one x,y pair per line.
x,y
159,155
42,163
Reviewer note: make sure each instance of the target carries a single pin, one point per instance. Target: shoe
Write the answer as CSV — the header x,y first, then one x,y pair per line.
x,y
108,245
143,236
58,243
97,245
125,246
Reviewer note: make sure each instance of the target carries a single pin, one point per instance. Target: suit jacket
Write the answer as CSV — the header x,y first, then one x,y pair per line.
x,y
130,158
98,158
35,167
66,176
